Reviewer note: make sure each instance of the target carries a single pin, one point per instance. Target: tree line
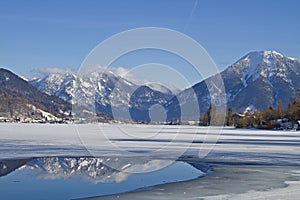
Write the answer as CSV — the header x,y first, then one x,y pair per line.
x,y
270,118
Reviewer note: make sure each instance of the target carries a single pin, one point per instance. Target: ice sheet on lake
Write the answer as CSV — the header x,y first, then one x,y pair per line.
x,y
223,144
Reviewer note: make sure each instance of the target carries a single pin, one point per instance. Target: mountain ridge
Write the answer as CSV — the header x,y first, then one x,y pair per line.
x,y
259,79
276,74
18,96
103,92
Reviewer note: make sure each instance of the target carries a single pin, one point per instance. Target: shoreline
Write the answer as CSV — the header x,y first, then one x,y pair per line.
x,y
243,160
225,182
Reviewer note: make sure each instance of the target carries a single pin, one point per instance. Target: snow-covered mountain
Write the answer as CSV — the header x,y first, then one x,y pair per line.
x,y
105,92
260,79
58,84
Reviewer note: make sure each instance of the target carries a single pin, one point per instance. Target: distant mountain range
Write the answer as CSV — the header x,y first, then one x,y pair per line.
x,y
259,80
105,93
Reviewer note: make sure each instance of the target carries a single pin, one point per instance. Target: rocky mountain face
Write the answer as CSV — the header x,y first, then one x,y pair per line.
x,y
19,98
259,80
262,79
103,93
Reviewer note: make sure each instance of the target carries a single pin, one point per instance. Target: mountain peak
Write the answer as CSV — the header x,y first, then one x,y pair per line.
x,y
262,55
267,75
271,53
255,60
266,63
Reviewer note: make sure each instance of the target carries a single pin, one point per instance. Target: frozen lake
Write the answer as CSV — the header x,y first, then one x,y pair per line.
x,y
246,163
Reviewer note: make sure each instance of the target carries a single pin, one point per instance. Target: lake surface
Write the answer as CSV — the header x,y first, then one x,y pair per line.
x,y
43,161
73,178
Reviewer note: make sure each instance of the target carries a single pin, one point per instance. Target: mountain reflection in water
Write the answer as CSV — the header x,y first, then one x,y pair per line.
x,y
77,177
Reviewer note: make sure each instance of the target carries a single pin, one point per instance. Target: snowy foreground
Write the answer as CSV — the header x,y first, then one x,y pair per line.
x,y
248,164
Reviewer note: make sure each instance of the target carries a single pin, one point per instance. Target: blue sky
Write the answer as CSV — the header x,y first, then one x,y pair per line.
x,y
35,34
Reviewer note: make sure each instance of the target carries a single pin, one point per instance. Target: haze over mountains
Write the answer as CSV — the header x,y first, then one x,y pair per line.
x,y
260,79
